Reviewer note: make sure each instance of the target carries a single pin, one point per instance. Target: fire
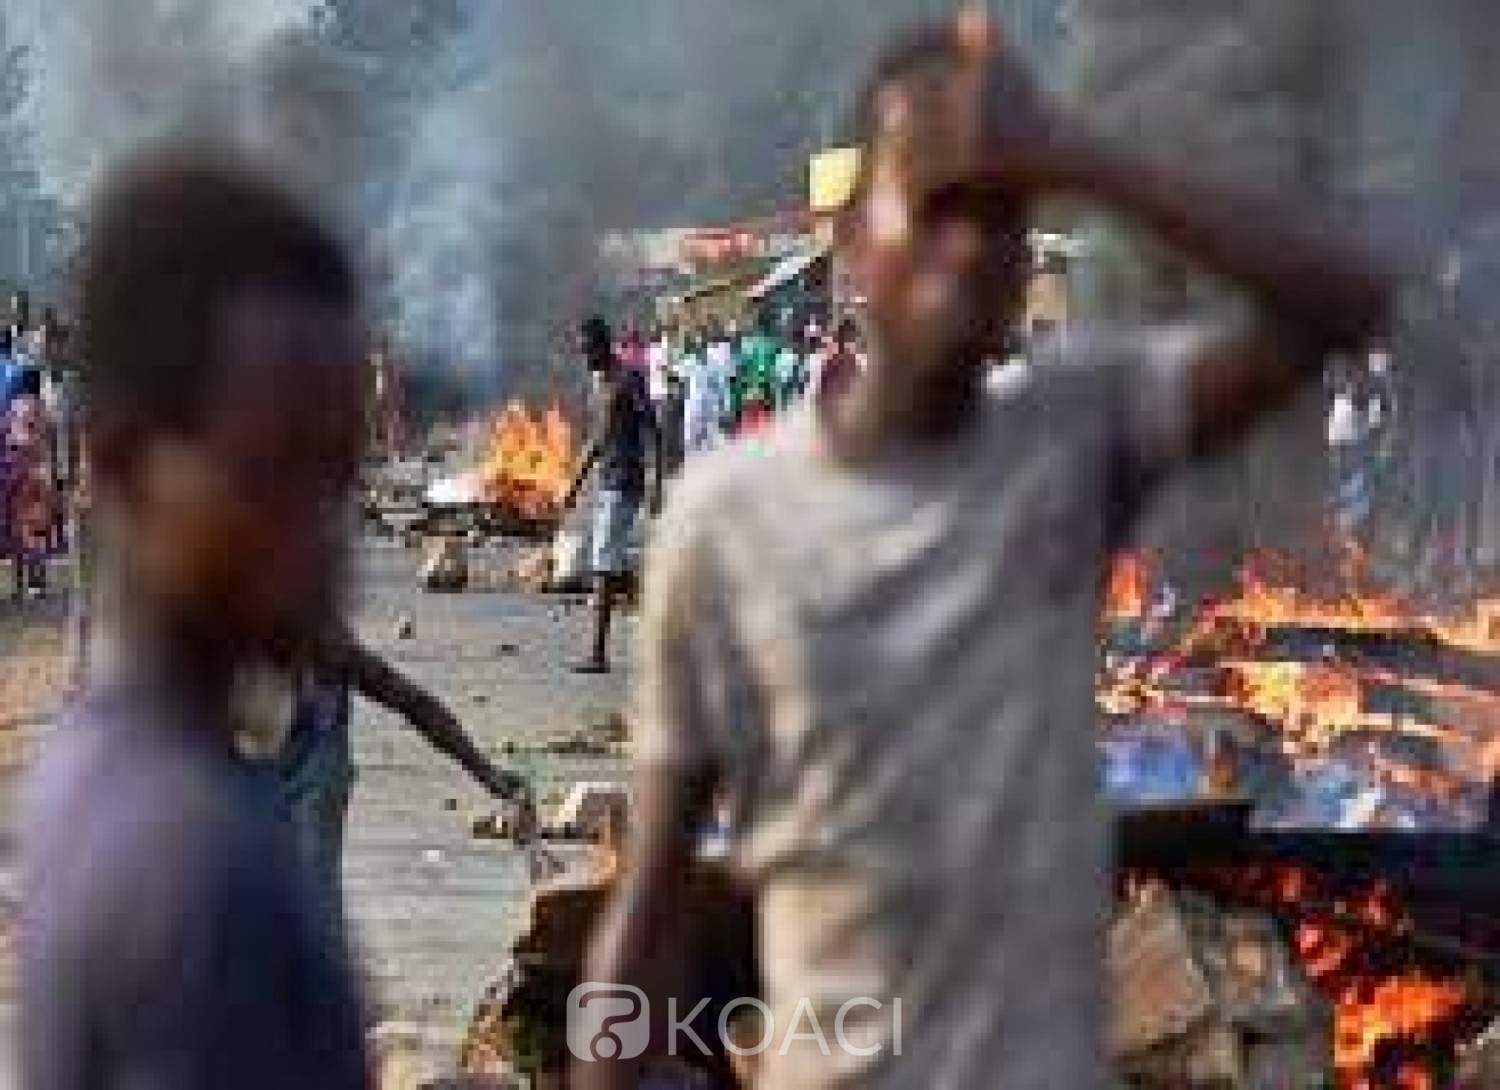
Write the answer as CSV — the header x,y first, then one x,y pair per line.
x,y
1242,653
1407,1008
1129,587
530,462
1307,698
1343,943
1369,1010
1261,601
1270,649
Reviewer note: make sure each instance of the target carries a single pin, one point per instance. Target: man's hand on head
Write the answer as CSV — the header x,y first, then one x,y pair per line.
x,y
979,126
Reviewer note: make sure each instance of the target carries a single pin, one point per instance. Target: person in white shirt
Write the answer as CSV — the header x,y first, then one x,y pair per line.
x,y
719,356
875,635
659,368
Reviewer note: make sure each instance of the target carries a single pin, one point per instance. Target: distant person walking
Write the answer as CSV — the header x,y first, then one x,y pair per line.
x,y
624,440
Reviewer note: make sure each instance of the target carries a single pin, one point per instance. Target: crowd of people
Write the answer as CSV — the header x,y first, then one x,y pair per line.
x,y
867,638
725,380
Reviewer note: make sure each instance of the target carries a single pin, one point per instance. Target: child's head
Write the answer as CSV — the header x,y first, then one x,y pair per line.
x,y
220,334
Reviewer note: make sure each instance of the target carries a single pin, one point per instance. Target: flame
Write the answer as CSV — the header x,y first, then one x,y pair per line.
x,y
1370,1010
1128,589
1312,704
530,461
1368,1013
1335,937
1311,700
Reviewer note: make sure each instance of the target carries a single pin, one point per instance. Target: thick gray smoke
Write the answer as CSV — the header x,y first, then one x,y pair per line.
x,y
108,75
548,124
1384,111
480,147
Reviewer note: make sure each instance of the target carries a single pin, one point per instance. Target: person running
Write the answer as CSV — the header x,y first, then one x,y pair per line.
x,y
623,437
170,937
876,636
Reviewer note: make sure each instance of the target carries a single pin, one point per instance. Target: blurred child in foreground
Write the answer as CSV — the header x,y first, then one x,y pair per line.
x,y
170,937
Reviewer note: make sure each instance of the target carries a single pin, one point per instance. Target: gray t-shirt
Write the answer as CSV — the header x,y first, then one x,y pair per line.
x,y
169,938
893,670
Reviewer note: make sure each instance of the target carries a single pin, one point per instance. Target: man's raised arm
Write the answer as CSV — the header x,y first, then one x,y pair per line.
x,y
1317,291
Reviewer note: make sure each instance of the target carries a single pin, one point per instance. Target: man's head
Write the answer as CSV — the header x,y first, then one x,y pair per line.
x,y
220,334
942,263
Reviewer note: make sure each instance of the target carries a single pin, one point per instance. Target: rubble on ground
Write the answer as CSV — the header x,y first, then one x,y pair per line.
x,y
491,826
532,571
1206,997
1479,1065
445,566
520,1024
406,628
589,811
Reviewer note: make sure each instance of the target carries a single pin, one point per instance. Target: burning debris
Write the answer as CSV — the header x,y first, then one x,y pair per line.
x,y
524,472
1398,1000
1371,711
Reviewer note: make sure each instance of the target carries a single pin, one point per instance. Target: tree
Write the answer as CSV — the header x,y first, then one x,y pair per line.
x,y
25,220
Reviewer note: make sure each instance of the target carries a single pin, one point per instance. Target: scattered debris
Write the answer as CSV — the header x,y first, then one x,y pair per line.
x,y
533,572
491,826
450,805
594,811
1205,997
577,744
481,698
609,727
432,857
508,747
508,650
1479,1064
406,628
445,567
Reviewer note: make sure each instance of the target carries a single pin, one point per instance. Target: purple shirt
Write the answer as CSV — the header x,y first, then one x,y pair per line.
x,y
169,940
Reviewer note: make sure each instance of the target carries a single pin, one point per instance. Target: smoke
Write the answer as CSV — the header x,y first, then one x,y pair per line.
x,y
545,125
447,210
479,148
107,75
1383,111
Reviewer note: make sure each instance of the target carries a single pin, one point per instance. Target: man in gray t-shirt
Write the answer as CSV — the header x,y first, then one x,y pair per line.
x,y
873,635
